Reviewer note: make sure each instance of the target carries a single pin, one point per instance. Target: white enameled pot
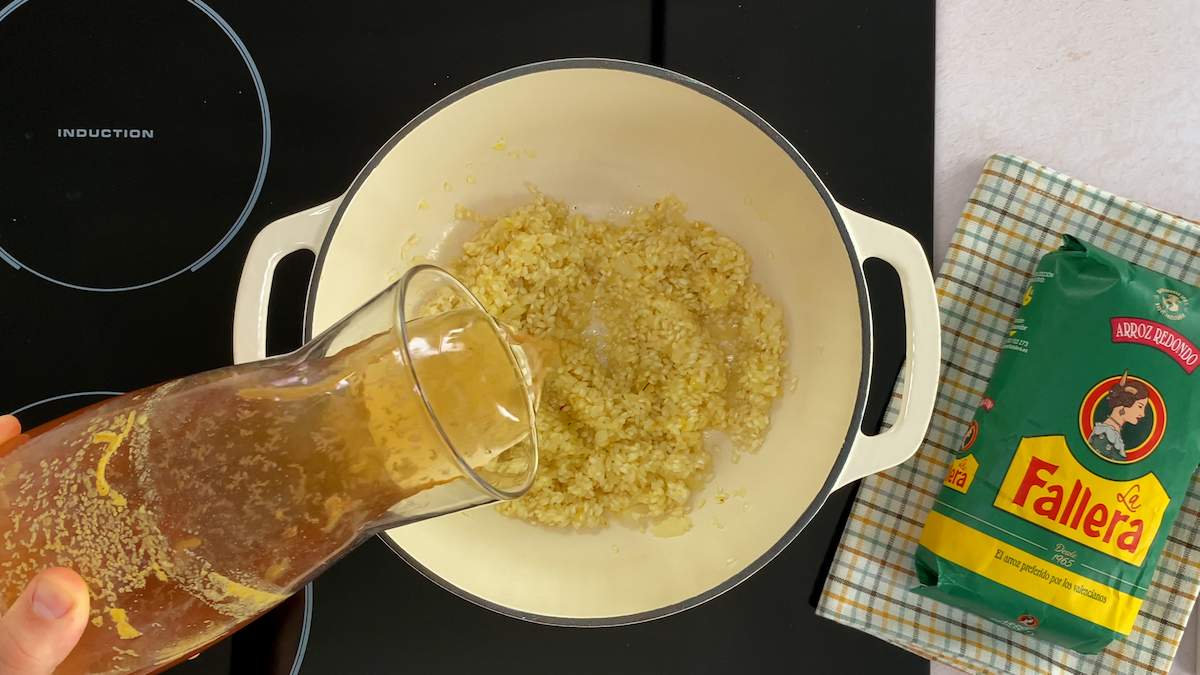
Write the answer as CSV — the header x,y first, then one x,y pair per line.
x,y
608,135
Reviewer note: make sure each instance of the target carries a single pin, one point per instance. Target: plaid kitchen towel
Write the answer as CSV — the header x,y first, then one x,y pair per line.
x,y
1017,213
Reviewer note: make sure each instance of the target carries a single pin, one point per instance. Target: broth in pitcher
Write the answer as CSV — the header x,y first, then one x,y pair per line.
x,y
193,507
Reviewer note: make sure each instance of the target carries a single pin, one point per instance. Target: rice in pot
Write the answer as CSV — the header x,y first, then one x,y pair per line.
x,y
663,337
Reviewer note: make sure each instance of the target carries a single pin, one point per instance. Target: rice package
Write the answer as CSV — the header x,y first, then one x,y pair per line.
x,y
1058,503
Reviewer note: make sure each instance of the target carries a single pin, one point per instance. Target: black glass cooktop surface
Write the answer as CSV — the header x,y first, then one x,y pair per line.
x,y
143,144
121,113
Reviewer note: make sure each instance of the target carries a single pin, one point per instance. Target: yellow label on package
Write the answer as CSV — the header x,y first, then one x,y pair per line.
x,y
1025,572
962,472
1047,486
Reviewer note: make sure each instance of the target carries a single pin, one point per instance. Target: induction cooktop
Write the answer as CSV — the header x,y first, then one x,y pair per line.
x,y
143,143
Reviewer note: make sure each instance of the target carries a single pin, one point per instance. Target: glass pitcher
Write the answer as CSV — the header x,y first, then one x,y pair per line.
x,y
194,506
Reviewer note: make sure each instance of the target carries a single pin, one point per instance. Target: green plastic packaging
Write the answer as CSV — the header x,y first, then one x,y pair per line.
x,y
1054,512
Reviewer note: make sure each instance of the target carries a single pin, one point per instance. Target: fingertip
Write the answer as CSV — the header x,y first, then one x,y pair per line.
x,y
42,627
68,588
9,427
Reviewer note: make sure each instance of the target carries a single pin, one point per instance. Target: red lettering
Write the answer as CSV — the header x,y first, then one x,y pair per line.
x,y
1049,505
1066,512
1096,516
1117,517
1033,479
1083,505
1131,538
1159,336
1039,495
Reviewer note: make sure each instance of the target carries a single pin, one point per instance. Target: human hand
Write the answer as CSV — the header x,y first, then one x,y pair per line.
x,y
41,628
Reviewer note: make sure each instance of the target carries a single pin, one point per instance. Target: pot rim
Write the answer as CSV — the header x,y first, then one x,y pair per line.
x,y
853,259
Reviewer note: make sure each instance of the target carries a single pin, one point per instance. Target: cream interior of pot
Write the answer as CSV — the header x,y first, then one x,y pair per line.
x,y
607,140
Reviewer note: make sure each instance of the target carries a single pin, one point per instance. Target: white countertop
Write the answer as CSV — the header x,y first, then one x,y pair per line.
x,y
1107,91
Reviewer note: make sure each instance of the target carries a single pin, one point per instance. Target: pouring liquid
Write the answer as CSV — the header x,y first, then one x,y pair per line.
x,y
192,507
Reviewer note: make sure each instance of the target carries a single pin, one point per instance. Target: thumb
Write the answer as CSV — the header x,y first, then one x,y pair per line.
x,y
9,427
41,628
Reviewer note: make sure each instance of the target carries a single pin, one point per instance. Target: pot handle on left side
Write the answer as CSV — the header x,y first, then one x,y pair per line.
x,y
303,230
923,352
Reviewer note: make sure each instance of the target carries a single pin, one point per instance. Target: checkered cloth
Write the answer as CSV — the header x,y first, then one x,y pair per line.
x,y
1016,214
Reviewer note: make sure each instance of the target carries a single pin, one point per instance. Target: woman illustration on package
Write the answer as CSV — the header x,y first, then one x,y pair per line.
x,y
1127,402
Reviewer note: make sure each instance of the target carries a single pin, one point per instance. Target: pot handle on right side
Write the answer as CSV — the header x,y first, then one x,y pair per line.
x,y
923,354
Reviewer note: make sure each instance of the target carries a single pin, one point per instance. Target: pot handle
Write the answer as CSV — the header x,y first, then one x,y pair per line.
x,y
303,230
923,357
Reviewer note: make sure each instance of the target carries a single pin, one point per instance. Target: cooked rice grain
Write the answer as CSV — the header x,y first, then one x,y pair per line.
x,y
663,336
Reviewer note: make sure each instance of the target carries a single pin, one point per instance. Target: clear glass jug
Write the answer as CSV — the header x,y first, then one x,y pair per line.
x,y
194,506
